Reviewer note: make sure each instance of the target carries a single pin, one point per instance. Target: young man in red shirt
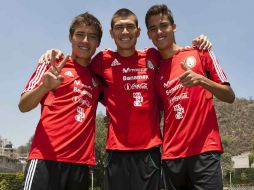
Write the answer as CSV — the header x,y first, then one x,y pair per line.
x,y
63,144
187,80
134,137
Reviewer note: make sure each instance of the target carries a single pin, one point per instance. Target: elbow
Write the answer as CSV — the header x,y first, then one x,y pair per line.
x,y
231,98
22,108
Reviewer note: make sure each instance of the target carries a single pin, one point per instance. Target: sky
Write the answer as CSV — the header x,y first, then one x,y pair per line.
x,y
29,28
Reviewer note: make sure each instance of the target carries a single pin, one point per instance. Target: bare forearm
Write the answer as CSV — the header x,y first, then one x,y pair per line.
x,y
30,100
221,91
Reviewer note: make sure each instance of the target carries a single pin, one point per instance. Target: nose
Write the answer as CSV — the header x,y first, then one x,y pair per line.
x,y
125,30
85,39
159,31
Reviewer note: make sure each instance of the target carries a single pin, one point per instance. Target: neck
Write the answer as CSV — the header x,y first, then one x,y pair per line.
x,y
170,52
82,62
126,52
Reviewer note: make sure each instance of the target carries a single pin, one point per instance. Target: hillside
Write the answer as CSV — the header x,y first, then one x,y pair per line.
x,y
236,122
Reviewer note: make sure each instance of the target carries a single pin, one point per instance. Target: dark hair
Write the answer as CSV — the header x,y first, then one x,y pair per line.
x,y
123,13
159,9
87,19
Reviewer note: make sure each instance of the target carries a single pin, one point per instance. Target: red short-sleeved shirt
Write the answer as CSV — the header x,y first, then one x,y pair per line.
x,y
66,128
190,124
130,99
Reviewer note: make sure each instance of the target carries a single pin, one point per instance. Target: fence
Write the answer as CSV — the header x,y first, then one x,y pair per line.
x,y
239,188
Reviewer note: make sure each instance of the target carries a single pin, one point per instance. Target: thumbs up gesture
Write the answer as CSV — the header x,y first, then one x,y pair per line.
x,y
53,78
189,78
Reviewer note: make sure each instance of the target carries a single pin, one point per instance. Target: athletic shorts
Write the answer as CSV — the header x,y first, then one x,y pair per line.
x,y
52,175
201,172
133,170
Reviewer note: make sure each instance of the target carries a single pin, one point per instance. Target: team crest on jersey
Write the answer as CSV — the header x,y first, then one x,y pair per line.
x,y
150,64
115,63
190,62
69,73
95,84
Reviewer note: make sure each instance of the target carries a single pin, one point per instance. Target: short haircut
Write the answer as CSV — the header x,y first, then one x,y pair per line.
x,y
87,19
123,13
157,10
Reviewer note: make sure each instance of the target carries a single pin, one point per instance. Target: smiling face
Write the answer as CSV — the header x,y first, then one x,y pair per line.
x,y
125,33
84,40
161,32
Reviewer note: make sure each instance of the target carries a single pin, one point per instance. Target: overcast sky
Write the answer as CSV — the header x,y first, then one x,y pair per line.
x,y
29,28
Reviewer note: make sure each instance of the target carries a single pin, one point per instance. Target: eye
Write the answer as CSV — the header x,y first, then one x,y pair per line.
x,y
79,35
164,25
131,27
119,27
92,37
152,29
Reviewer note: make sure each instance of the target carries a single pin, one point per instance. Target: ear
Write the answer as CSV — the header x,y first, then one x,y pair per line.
x,y
70,38
148,35
174,27
111,33
138,32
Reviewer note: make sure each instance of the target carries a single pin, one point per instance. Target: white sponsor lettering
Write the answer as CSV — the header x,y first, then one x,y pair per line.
x,y
166,84
177,98
129,86
134,70
138,77
179,111
80,114
168,92
81,101
84,92
79,83
138,99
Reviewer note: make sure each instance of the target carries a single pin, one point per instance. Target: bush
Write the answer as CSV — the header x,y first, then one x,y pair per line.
x,y
11,181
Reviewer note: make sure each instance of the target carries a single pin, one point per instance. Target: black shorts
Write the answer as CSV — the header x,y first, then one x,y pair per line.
x,y
202,172
133,170
52,175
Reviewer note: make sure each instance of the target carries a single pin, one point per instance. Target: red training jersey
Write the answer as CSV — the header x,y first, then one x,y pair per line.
x,y
190,123
130,99
66,128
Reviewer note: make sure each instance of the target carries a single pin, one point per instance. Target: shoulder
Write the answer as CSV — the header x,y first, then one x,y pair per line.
x,y
104,54
149,51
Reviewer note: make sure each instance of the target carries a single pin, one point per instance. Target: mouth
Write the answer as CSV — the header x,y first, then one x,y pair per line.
x,y
84,48
125,39
161,38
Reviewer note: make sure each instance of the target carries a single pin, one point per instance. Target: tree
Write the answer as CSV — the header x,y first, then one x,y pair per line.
x,y
251,155
24,149
101,132
226,162
3,184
